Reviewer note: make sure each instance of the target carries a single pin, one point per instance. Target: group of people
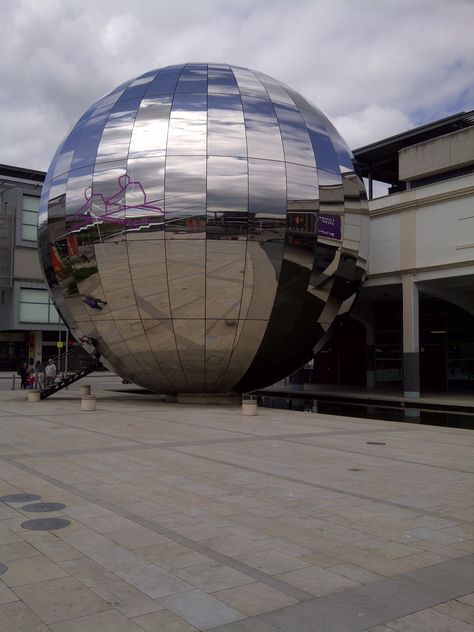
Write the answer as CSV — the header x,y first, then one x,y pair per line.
x,y
38,377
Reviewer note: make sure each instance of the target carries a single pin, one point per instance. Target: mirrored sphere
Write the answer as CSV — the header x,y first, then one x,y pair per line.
x,y
203,228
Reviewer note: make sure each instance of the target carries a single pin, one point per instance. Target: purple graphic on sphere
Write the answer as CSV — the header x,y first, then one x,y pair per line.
x,y
98,210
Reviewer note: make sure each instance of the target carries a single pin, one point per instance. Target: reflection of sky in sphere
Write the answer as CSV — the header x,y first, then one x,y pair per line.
x,y
213,177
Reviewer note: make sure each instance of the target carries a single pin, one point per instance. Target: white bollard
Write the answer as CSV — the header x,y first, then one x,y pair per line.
x,y
34,396
88,402
85,389
249,407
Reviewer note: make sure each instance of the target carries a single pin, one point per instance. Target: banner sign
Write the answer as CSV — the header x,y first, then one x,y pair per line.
x,y
330,226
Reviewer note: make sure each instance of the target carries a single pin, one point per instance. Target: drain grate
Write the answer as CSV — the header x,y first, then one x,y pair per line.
x,y
40,507
20,498
375,443
45,524
3,569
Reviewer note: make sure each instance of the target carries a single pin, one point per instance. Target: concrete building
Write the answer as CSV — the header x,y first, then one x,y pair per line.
x,y
30,326
414,320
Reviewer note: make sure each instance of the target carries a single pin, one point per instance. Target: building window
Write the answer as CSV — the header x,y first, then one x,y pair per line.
x,y
36,307
29,220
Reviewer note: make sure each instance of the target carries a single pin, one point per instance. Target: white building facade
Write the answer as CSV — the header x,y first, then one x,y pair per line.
x,y
415,315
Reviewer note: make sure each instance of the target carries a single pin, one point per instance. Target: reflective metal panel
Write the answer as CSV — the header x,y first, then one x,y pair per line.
x,y
186,269
185,196
188,125
276,92
267,187
227,184
90,135
144,198
249,83
203,228
192,79
164,82
295,136
219,344
248,339
107,199
221,80
133,334
225,267
62,162
147,260
226,130
190,340
150,132
263,132
161,337
117,131
119,300
302,187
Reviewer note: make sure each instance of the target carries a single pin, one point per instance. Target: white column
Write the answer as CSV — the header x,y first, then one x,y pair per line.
x,y
411,337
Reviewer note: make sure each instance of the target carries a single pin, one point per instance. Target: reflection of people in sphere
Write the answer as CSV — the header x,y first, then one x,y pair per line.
x,y
95,303
50,372
87,340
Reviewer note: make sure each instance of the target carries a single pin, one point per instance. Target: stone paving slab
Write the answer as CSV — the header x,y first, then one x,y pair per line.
x,y
191,518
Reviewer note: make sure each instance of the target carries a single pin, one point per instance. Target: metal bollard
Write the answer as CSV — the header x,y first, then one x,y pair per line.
x,y
34,395
88,402
85,389
13,382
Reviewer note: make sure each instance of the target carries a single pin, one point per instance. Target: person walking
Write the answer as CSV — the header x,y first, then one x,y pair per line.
x,y
50,372
39,376
23,373
30,380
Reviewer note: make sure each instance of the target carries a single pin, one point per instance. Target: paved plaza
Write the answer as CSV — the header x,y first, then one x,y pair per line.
x,y
186,517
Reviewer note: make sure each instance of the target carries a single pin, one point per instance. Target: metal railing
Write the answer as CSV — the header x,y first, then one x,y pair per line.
x,y
63,377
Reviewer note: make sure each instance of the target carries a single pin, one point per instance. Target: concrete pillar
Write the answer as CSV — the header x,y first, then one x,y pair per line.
x,y
370,360
38,352
411,337
365,315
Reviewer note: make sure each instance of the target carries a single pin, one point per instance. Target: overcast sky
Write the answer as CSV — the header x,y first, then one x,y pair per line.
x,y
374,67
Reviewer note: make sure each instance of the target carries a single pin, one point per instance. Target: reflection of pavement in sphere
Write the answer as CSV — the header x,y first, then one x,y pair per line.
x,y
204,226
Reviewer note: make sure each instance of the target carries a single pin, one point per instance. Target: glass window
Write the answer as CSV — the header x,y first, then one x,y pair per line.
x,y
36,307
29,220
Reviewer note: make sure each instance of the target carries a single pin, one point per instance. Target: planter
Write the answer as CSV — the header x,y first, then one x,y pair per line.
x,y
34,396
88,402
249,407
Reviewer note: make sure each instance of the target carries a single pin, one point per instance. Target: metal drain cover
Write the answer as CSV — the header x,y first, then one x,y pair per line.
x,y
376,443
40,507
3,569
20,498
45,524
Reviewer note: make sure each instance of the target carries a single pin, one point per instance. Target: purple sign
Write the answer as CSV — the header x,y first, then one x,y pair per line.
x,y
330,226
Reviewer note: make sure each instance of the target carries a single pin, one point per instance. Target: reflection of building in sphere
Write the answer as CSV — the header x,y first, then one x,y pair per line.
x,y
205,226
